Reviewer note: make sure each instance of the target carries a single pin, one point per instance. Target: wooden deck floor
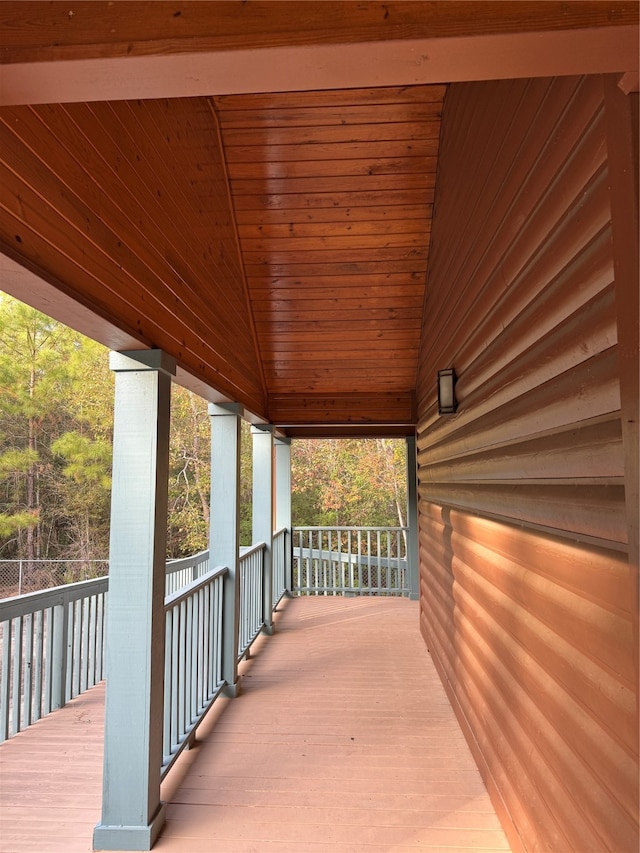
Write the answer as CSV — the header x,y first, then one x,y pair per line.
x,y
342,740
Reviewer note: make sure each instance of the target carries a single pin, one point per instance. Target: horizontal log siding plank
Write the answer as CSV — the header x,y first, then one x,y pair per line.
x,y
525,590
485,661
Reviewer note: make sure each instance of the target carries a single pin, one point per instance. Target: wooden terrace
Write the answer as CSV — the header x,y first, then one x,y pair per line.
x,y
342,738
308,212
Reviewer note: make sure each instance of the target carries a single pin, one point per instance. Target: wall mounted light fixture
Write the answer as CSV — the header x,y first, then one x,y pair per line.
x,y
447,403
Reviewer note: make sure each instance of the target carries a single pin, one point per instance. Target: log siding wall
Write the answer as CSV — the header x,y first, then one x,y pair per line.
x,y
527,601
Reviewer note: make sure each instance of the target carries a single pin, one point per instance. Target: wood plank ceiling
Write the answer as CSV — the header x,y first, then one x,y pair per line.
x,y
275,244
333,196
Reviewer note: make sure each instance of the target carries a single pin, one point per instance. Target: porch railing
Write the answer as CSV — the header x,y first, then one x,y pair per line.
x,y
182,572
53,644
350,561
251,596
279,564
193,660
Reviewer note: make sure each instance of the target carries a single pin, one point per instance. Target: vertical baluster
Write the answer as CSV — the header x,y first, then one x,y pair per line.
x,y
77,647
243,595
27,678
17,675
188,673
168,695
216,634
176,627
38,654
204,648
256,586
100,624
59,656
211,637
48,661
181,670
93,627
195,636
5,680
85,610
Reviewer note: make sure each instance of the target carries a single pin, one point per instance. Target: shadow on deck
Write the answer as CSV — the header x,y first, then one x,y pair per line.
x,y
342,739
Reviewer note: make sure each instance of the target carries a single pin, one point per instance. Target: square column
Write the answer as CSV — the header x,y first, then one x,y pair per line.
x,y
283,500
224,527
413,550
132,814
263,511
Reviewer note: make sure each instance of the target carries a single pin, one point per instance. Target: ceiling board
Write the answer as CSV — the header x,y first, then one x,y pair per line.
x,y
333,195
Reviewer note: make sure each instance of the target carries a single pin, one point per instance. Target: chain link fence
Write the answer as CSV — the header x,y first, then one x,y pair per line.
x,y
20,576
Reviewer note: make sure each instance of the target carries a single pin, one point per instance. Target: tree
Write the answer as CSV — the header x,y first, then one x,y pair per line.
x,y
349,482
189,460
85,449
33,353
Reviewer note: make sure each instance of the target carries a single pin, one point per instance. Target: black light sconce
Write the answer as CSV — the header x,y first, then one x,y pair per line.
x,y
447,403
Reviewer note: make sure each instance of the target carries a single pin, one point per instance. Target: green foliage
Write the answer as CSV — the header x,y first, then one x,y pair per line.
x,y
349,482
88,461
11,524
56,424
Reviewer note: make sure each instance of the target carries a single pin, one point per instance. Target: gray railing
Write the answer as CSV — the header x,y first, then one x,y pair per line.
x,y
193,660
279,564
350,561
53,645
52,642
184,571
251,596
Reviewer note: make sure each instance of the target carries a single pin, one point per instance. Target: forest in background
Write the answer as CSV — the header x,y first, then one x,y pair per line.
x,y
56,424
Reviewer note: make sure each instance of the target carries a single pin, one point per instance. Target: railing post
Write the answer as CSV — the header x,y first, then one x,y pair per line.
x,y
132,814
413,553
224,528
283,502
263,511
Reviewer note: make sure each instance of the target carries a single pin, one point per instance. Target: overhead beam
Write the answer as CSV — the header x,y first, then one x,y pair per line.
x,y
50,31
395,62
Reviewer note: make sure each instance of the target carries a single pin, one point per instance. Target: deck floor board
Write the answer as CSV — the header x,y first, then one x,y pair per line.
x,y
342,739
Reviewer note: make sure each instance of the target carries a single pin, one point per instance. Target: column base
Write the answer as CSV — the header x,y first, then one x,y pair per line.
x,y
269,630
232,690
129,837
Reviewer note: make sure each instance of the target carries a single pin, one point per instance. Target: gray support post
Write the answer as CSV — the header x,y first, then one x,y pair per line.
x,y
224,528
132,814
413,552
263,511
283,501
